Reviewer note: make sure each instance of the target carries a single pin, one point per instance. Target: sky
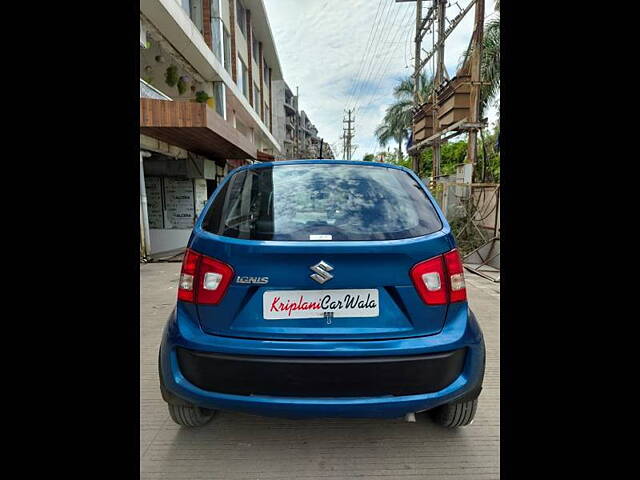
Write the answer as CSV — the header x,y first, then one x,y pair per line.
x,y
322,43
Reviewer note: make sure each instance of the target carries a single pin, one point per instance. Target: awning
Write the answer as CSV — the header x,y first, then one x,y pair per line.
x,y
194,127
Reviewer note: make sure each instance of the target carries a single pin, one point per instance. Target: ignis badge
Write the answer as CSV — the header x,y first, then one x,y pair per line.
x,y
254,280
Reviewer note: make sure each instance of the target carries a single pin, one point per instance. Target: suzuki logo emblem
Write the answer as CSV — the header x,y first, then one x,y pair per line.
x,y
322,270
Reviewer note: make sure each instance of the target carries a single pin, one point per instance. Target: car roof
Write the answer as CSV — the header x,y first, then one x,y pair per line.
x,y
321,161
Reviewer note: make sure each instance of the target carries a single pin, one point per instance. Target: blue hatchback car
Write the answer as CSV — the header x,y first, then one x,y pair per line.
x,y
322,288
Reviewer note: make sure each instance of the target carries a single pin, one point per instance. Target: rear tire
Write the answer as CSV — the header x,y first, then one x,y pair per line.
x,y
453,415
190,416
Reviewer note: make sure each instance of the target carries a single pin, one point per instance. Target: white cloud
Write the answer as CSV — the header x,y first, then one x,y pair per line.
x,y
321,44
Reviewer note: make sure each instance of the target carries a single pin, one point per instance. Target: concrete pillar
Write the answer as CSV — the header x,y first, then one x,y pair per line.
x,y
144,215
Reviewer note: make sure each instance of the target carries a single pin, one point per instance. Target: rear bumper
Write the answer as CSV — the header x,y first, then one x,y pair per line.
x,y
382,378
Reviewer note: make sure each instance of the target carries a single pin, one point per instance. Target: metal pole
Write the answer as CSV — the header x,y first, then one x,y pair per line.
x,y
442,8
439,74
476,79
349,133
297,123
415,158
416,84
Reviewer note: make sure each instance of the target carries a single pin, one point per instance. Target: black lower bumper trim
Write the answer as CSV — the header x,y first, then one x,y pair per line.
x,y
321,377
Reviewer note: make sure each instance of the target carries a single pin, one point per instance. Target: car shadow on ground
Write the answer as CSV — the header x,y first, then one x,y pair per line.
x,y
241,445
273,432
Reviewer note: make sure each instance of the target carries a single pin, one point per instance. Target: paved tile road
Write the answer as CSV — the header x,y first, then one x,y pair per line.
x,y
238,446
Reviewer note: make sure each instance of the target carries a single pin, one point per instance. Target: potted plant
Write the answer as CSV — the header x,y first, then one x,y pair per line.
x,y
202,96
182,87
171,76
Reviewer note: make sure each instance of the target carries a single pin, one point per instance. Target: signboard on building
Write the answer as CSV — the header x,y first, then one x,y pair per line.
x,y
179,203
154,201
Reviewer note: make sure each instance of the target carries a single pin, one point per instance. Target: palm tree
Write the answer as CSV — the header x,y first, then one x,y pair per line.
x,y
398,117
490,62
392,128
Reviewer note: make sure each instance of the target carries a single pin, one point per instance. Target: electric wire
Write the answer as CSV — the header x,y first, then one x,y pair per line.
x,y
374,25
370,64
377,70
383,67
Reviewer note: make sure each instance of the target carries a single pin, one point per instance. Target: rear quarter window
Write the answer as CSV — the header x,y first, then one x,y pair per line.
x,y
322,202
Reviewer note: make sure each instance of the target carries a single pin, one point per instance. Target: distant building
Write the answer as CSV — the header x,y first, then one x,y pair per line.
x,y
294,129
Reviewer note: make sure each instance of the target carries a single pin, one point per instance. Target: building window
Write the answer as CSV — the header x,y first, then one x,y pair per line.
x,y
241,17
226,41
266,117
216,31
194,10
255,52
215,9
243,78
266,74
256,98
219,95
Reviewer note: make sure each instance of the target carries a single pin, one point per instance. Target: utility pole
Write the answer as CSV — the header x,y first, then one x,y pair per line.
x,y
441,6
415,159
348,134
297,152
476,82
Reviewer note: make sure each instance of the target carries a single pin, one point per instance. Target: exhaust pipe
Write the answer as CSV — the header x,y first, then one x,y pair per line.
x,y
410,417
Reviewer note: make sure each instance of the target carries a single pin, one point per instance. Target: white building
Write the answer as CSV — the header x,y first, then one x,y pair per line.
x,y
206,107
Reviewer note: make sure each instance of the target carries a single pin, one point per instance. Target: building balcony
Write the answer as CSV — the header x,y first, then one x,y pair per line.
x,y
310,129
194,127
176,27
289,108
291,123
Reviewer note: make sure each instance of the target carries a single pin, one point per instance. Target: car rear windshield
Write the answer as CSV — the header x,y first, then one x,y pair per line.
x,y
321,202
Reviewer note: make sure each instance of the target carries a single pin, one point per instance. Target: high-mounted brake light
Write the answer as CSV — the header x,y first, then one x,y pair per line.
x,y
440,280
203,280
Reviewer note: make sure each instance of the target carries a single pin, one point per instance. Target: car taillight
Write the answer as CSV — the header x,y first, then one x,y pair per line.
x,y
455,272
203,280
440,280
186,291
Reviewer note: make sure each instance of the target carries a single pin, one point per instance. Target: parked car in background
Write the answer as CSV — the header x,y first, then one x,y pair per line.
x,y
322,288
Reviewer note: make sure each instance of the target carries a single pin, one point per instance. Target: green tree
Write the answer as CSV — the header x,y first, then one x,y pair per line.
x,y
368,157
388,157
451,154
